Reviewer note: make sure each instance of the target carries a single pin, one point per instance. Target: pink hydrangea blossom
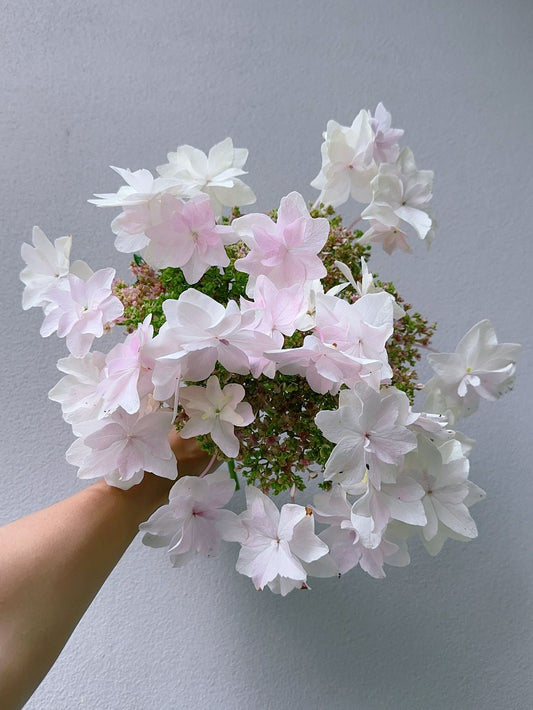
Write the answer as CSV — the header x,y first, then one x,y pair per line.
x,y
128,371
188,237
325,367
80,310
391,237
46,265
140,200
197,333
278,544
347,344
78,391
480,368
121,447
442,472
194,521
286,250
372,512
385,138
343,540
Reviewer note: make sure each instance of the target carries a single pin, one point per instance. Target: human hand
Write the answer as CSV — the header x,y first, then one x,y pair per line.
x,y
192,461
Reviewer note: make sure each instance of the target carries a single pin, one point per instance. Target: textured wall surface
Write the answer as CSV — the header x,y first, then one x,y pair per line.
x,y
85,85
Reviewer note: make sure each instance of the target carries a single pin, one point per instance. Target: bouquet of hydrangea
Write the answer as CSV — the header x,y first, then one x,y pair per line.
x,y
267,338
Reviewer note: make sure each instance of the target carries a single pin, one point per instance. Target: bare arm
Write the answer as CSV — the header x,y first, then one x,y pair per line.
x,y
53,562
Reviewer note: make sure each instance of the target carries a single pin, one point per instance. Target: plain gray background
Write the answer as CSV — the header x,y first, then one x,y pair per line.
x,y
88,84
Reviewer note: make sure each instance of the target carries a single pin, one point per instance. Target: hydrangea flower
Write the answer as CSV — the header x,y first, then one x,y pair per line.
x,y
348,164
390,236
347,344
216,411
480,367
385,138
286,250
46,265
442,472
216,174
276,311
367,434
128,371
80,310
344,542
140,201
400,191
187,237
325,367
401,500
193,520
141,187
278,543
78,391
197,333
121,447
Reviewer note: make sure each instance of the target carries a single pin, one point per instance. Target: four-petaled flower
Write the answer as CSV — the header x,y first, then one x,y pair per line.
x,y
216,411
278,544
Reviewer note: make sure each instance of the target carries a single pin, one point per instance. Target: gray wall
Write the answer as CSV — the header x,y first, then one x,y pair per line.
x,y
85,85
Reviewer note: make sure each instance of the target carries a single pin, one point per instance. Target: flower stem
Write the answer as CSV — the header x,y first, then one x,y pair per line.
x,y
208,467
233,474
352,225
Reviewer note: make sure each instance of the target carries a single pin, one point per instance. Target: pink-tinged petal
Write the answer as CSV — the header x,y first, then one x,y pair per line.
x,y
261,513
393,444
305,544
343,550
163,523
290,515
195,427
130,460
409,511
276,560
104,437
79,344
230,527
245,412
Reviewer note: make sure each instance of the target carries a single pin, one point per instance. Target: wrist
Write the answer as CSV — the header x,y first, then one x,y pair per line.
x,y
138,502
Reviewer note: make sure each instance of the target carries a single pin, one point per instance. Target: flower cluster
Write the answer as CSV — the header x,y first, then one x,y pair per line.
x,y
267,338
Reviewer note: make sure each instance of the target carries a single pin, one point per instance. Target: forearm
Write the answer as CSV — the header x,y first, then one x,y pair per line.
x,y
52,564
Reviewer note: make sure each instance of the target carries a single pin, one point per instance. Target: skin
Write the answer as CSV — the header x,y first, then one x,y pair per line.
x,y
53,563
